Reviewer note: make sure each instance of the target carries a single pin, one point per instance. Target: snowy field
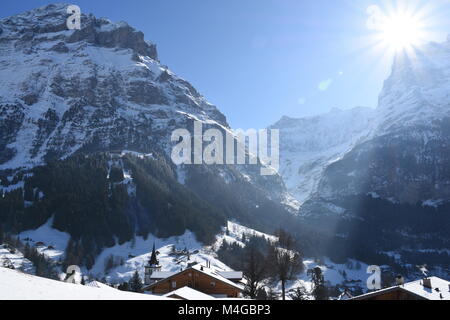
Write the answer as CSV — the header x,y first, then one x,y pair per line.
x,y
235,232
15,285
46,240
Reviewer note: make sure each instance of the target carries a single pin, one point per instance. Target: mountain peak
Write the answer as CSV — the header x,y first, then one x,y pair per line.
x,y
52,21
416,92
100,87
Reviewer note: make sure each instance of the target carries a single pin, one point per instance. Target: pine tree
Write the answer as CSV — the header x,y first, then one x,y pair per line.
x,y
320,291
27,250
135,284
299,293
124,286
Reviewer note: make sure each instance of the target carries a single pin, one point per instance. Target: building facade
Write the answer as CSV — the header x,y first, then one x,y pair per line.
x,y
199,278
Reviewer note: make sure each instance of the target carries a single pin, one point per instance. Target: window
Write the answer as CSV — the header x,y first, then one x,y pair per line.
x,y
213,284
174,284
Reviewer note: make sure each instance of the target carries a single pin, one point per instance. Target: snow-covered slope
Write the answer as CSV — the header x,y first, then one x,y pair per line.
x,y
175,253
418,90
15,285
309,145
14,258
102,83
99,88
46,240
234,232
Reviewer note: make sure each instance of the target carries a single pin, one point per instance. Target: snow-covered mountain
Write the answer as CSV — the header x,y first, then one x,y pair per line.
x,y
101,86
309,145
406,158
397,151
379,179
95,89
85,123
417,92
89,99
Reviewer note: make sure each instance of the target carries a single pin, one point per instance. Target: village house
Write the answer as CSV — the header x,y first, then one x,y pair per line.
x,y
199,278
155,276
430,288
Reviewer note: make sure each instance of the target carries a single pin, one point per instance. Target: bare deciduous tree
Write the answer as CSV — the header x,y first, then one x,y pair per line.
x,y
255,270
286,262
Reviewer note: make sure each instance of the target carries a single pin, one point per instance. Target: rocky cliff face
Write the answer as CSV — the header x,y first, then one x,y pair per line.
x,y
407,156
95,93
399,151
100,88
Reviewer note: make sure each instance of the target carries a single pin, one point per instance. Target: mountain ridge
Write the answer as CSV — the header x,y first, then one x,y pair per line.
x,y
85,140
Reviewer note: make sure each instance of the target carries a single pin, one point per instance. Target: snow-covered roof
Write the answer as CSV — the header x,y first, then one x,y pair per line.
x,y
232,274
207,271
162,274
215,274
189,294
440,290
16,285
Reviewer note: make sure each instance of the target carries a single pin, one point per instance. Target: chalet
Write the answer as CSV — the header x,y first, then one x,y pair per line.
x,y
234,276
432,288
200,278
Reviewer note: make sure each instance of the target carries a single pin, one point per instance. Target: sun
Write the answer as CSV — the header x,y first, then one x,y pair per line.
x,y
401,31
397,29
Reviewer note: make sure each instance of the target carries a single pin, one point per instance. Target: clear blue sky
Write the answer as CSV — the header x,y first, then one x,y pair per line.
x,y
260,59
